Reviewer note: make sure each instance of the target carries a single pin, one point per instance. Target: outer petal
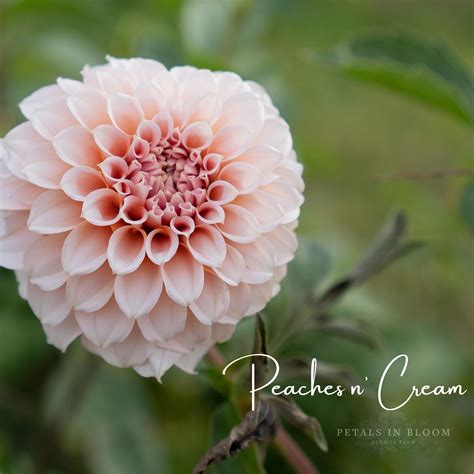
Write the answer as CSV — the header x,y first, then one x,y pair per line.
x,y
126,249
61,335
53,212
138,292
106,326
90,292
183,277
207,245
166,320
76,146
213,301
80,181
239,224
16,194
85,249
51,307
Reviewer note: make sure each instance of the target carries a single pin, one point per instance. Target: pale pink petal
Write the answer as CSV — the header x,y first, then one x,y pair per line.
x,y
263,157
138,292
51,119
102,207
150,132
245,177
50,307
207,245
40,98
62,334
161,360
89,107
126,249
106,326
213,301
22,280
42,262
15,238
231,141
44,168
222,332
183,277
111,140
239,303
275,133
182,225
53,212
287,197
80,181
16,194
85,249
259,259
232,269
197,136
239,224
161,245
151,99
164,321
188,362
76,146
125,112
284,244
90,292
221,192
133,211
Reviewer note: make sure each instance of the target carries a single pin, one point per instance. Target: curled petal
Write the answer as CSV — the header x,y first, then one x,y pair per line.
x,y
53,212
102,207
89,107
76,146
62,334
125,112
126,249
164,321
239,224
150,132
50,307
15,238
221,192
182,225
133,211
183,277
105,326
245,177
85,249
92,291
114,169
138,292
214,300
197,136
161,245
211,163
43,264
207,245
210,213
80,181
111,140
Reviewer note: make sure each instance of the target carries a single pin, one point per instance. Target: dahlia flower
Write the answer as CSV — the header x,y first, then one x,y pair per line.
x,y
148,210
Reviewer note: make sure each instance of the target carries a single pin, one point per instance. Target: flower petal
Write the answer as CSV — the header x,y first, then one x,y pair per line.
x,y
80,181
164,321
207,245
245,177
138,292
183,277
239,224
53,212
161,245
126,249
76,146
92,291
125,112
111,140
105,326
85,249
62,334
89,107
50,307
102,207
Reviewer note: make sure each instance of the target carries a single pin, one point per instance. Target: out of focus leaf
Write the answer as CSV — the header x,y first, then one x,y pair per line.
x,y
356,331
234,451
104,413
420,68
213,376
466,205
385,249
291,412
309,267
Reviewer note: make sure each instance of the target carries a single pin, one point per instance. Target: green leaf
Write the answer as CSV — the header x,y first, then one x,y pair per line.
x,y
290,411
466,205
224,419
424,69
105,414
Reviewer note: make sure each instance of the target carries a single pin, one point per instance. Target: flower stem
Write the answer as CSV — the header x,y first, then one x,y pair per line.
x,y
288,447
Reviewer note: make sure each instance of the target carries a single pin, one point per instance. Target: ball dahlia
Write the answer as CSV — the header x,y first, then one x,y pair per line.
x,y
148,210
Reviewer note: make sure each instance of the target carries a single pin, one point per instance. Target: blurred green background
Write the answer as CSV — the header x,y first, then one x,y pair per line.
x,y
74,414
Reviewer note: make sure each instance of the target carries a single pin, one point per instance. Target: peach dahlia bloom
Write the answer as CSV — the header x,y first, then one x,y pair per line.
x,y
148,210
